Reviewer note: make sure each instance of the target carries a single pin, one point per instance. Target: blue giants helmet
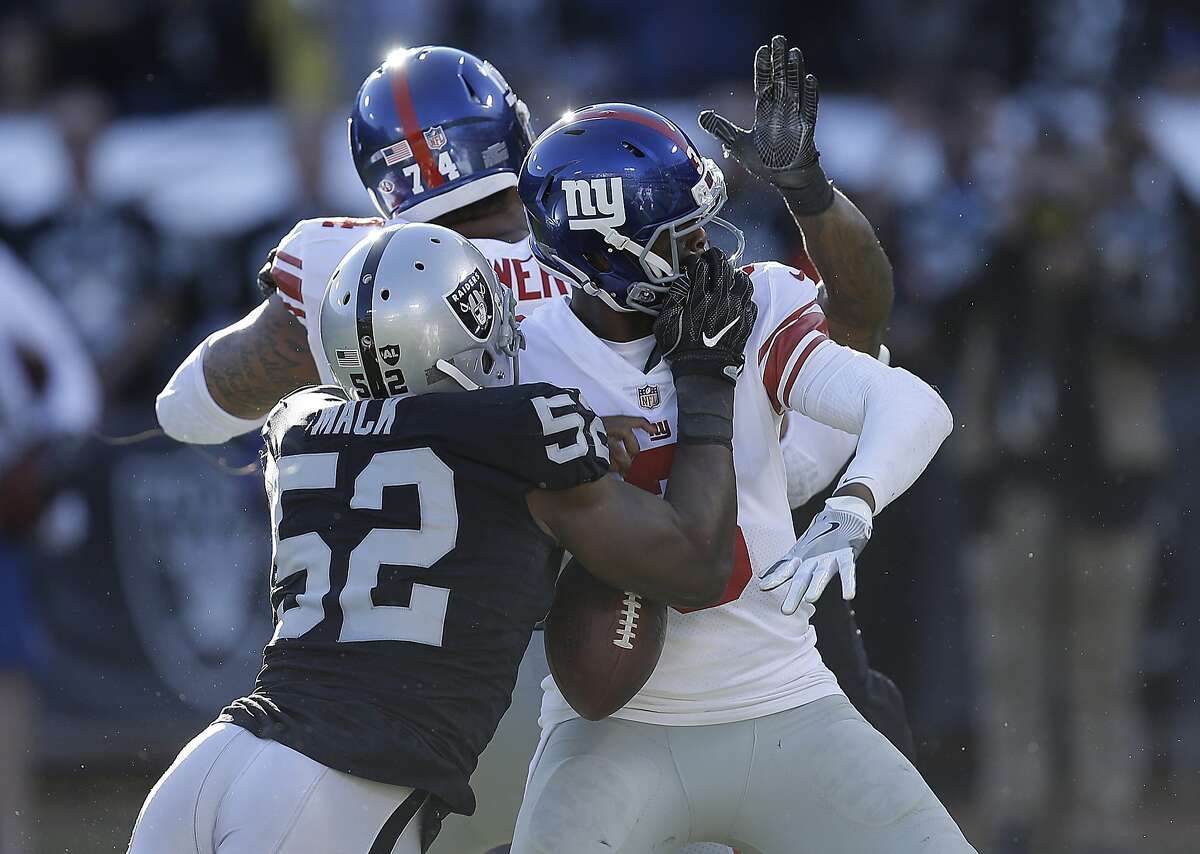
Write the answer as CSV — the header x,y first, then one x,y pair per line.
x,y
607,182
434,129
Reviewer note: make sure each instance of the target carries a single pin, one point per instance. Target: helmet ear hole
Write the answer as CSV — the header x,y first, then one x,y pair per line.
x,y
419,265
598,261
486,362
346,298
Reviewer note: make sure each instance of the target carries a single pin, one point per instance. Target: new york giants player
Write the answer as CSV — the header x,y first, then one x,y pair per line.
x,y
424,111
741,735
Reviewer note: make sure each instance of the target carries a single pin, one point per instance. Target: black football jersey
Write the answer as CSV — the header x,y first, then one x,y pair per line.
x,y
408,573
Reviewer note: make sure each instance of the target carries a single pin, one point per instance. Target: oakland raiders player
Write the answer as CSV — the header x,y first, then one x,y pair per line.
x,y
741,735
417,536
437,97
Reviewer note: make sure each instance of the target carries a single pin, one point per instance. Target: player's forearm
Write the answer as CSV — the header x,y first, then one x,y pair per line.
x,y
703,494
678,551
187,412
855,270
635,541
255,362
232,380
702,488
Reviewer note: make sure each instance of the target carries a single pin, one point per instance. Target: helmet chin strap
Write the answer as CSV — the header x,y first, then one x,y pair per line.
x,y
620,241
455,374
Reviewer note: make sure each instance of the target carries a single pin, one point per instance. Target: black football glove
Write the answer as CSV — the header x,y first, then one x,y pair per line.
x,y
780,147
266,282
707,320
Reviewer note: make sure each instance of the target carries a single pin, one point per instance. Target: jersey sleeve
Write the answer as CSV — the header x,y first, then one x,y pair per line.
x,y
287,270
563,443
791,326
319,243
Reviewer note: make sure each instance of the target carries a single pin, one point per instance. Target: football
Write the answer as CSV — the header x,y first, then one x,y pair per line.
x,y
602,643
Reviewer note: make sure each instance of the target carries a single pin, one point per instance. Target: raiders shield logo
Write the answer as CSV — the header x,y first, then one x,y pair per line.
x,y
390,354
472,304
648,397
435,137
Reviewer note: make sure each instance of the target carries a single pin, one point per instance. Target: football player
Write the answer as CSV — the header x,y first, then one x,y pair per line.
x,y
437,134
417,537
741,735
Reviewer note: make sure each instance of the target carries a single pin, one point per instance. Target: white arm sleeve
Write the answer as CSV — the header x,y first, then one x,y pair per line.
x,y
187,411
814,453
900,420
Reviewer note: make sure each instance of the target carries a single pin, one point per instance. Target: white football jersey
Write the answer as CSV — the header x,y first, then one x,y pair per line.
x,y
739,660
306,258
742,658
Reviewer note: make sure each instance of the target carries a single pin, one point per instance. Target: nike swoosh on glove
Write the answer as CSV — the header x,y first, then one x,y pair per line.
x,y
834,539
708,317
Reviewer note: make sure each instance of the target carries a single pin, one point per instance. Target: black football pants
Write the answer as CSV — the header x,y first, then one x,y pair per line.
x,y
874,695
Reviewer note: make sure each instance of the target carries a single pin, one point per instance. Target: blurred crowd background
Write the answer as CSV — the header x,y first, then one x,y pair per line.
x,y
1032,168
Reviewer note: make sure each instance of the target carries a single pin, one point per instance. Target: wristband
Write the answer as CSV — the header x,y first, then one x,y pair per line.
x,y
705,410
707,363
807,192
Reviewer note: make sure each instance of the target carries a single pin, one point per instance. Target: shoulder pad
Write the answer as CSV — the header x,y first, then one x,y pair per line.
x,y
296,408
569,445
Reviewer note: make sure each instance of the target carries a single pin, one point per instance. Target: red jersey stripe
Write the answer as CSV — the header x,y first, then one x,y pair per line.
x,y
812,345
791,318
781,351
287,282
299,312
412,128
291,259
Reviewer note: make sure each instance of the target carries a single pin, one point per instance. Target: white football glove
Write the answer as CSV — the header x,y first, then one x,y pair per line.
x,y
837,536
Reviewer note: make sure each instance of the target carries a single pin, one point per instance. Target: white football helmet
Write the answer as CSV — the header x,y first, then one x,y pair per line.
x,y
415,308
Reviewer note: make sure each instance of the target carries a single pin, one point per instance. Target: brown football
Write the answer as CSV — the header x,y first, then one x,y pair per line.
x,y
602,643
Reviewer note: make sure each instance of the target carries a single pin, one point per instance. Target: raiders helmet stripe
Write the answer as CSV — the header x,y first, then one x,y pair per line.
x,y
366,329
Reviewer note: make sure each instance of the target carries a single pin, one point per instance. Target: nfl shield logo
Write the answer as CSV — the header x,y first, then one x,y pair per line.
x,y
435,137
648,396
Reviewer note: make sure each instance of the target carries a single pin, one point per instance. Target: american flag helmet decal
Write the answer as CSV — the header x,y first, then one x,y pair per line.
x,y
395,153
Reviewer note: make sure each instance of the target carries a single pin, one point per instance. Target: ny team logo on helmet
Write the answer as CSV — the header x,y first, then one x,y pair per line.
x,y
609,192
434,129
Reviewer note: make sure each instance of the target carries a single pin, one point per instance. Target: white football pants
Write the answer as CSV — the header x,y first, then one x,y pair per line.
x,y
230,792
812,780
500,778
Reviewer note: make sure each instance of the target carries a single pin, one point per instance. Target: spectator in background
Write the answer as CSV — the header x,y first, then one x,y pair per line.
x,y
1067,424
23,63
48,392
101,262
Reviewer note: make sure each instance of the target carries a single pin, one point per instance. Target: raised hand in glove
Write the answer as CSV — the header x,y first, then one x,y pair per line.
x,y
837,536
708,317
780,147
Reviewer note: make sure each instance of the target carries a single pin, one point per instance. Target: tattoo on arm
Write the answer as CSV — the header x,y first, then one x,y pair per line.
x,y
856,273
258,360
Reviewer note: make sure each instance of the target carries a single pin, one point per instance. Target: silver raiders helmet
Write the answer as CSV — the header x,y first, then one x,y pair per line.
x,y
415,308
